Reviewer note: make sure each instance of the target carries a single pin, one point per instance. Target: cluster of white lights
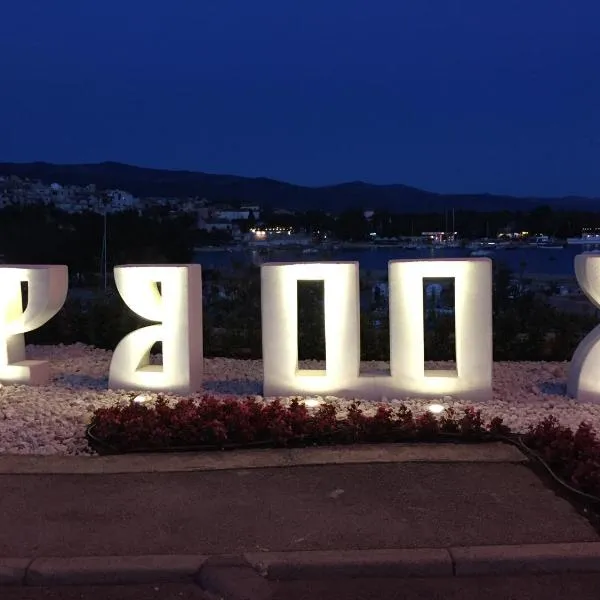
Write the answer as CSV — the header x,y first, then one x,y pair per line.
x,y
312,402
271,229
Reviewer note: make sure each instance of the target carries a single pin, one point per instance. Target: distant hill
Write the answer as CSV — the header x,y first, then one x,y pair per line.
x,y
269,192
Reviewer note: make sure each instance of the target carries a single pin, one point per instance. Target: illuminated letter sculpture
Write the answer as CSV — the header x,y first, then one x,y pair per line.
x,y
473,316
583,382
47,287
279,283
472,378
178,307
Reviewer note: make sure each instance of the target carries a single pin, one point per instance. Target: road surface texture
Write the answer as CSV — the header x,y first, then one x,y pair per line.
x,y
549,587
102,592
346,507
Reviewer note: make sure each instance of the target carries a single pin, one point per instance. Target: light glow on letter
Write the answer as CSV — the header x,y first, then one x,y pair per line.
x,y
472,378
279,301
473,314
583,382
178,308
47,287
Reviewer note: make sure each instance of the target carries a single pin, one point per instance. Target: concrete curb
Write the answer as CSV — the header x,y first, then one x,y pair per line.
x,y
429,562
233,578
493,452
113,570
420,562
13,570
228,576
527,559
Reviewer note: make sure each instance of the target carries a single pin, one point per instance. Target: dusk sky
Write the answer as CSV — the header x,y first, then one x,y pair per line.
x,y
447,95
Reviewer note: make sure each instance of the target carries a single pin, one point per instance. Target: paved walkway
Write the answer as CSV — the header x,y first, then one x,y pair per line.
x,y
345,507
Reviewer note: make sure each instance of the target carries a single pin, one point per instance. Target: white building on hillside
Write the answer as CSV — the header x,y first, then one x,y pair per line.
x,y
120,200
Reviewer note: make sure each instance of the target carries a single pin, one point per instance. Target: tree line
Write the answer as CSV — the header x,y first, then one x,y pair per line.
x,y
355,226
39,234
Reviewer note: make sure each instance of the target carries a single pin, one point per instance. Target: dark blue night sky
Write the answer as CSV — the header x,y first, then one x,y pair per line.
x,y
447,95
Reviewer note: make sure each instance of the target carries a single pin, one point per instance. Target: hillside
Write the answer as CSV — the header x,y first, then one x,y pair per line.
x,y
269,192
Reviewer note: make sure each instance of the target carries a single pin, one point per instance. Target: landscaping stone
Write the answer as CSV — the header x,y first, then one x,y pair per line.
x,y
52,419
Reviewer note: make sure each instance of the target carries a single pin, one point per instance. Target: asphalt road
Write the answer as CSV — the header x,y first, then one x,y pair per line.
x,y
105,592
334,507
549,587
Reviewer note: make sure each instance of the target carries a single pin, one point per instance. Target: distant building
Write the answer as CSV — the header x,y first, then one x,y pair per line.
x,y
232,215
507,234
439,237
216,225
277,236
254,210
120,200
590,232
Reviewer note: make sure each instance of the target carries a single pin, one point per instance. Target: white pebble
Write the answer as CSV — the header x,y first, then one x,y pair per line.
x,y
51,419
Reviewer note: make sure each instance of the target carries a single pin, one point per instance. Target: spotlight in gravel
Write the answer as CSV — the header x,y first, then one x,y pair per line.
x,y
436,409
141,399
312,402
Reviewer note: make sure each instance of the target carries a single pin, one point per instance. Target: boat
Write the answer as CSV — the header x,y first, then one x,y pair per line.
x,y
588,240
550,246
590,236
482,252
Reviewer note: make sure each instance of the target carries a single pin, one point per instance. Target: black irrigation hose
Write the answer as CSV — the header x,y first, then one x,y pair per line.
x,y
516,440
519,443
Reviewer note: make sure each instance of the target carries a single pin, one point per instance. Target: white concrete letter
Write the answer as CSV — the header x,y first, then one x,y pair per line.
x,y
46,293
473,313
583,382
178,307
279,300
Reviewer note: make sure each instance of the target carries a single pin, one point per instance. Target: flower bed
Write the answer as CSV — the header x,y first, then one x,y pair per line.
x,y
209,422
52,419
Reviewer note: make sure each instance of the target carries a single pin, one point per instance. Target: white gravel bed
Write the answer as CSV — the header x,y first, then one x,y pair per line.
x,y
51,419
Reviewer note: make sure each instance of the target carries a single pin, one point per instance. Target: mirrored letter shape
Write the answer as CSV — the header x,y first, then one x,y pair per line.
x,y
473,316
279,301
47,287
178,308
583,382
